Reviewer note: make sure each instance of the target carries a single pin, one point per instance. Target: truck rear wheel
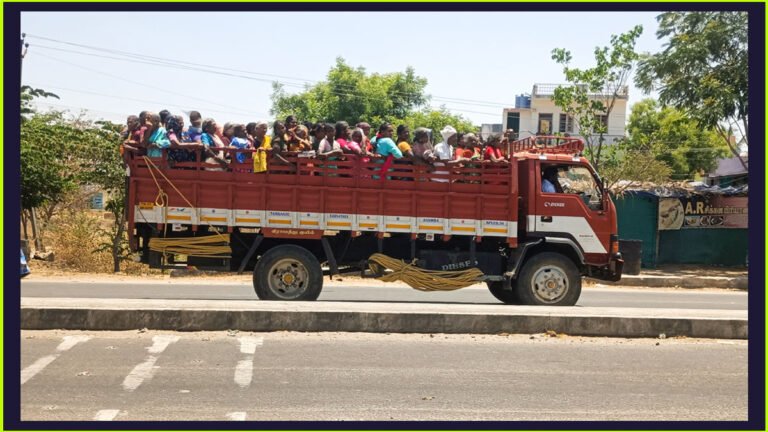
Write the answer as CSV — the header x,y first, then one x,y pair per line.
x,y
549,279
503,292
288,272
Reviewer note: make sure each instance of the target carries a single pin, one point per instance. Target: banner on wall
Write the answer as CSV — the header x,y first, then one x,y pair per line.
x,y
714,211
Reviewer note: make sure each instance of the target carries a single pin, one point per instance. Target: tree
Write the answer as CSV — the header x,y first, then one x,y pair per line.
x,y
593,92
673,137
703,70
353,95
27,95
436,120
105,170
60,155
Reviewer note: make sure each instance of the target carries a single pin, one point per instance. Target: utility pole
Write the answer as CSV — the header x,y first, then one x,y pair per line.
x,y
24,48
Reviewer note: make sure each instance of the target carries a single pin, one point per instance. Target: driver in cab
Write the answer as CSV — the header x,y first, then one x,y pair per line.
x,y
549,182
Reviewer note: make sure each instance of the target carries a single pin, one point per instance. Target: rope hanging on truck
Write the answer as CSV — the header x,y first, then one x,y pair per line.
x,y
205,247
424,280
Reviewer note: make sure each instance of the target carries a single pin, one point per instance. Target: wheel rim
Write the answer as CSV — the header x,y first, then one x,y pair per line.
x,y
288,278
550,284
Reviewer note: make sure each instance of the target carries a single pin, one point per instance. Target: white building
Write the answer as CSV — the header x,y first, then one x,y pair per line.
x,y
538,112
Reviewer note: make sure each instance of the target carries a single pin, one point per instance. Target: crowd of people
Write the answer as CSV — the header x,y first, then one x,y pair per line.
x,y
152,133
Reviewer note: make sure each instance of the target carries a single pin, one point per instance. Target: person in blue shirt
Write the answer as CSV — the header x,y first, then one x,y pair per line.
x,y
158,138
240,141
385,146
548,180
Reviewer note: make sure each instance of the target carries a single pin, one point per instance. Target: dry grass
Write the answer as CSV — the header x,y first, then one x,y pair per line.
x,y
75,236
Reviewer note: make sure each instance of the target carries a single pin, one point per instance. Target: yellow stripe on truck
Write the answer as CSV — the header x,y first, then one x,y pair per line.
x,y
495,230
431,227
399,226
213,219
280,221
178,217
248,220
338,224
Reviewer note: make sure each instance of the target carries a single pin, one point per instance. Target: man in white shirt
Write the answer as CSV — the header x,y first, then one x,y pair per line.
x,y
444,150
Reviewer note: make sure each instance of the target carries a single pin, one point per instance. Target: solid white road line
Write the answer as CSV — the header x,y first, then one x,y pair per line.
x,y
236,416
106,415
248,344
67,343
244,368
146,369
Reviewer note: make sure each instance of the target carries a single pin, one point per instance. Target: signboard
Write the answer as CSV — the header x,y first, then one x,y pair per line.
x,y
715,211
97,201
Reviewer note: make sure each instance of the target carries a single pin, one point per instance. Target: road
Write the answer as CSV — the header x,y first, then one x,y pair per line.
x,y
603,296
357,376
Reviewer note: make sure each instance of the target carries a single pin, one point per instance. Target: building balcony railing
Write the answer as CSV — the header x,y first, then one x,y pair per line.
x,y
548,90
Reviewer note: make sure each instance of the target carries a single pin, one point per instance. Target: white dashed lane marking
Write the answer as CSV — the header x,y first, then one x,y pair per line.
x,y
67,343
244,368
146,369
106,415
236,416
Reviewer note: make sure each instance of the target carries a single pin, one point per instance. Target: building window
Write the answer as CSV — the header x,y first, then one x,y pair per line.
x,y
566,123
604,120
545,123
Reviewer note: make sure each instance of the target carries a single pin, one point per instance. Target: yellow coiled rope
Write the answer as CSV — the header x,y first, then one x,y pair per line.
x,y
213,246
424,280
206,247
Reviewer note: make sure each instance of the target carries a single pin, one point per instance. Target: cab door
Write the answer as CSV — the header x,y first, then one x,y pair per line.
x,y
576,212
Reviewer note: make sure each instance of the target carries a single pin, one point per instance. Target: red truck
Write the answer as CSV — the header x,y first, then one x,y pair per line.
x,y
289,222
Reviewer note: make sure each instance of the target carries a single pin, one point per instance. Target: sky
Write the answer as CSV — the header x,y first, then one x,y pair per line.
x,y
475,62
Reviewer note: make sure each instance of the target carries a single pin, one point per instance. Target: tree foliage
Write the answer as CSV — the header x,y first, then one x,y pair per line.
x,y
593,92
703,69
675,138
27,95
352,95
61,154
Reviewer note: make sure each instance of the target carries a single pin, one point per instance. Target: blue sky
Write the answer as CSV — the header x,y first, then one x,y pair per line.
x,y
482,58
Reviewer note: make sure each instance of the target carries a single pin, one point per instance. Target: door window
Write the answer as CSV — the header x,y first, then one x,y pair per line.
x,y
577,180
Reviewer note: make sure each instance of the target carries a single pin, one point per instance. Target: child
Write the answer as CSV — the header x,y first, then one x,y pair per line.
x,y
195,131
239,141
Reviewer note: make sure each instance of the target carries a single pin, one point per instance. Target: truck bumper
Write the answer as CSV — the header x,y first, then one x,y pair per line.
x,y
615,266
610,272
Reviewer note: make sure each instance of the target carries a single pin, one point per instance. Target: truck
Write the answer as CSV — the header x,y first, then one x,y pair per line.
x,y
293,224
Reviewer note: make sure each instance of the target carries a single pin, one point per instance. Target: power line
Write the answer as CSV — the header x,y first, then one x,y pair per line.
x,y
358,95
165,103
173,62
140,83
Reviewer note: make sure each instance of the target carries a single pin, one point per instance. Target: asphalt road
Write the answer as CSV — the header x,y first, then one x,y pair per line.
x,y
591,296
356,376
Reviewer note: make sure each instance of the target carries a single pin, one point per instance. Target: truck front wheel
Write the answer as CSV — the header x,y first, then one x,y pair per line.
x,y
549,279
288,272
503,292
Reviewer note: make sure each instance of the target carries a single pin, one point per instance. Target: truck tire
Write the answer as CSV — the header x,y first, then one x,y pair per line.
x,y
288,272
549,279
500,290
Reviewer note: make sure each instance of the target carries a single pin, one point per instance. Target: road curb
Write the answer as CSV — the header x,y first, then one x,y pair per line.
x,y
618,322
739,282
